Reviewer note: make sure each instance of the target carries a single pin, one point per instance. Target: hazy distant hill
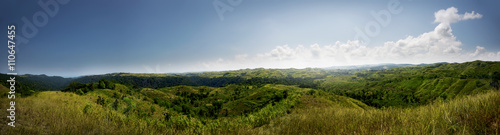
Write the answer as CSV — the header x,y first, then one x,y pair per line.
x,y
375,66
27,84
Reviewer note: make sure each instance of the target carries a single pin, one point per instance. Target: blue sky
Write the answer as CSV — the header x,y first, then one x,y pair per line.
x,y
96,37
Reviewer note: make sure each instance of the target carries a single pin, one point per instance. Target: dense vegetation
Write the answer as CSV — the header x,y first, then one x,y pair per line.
x,y
29,84
443,98
410,86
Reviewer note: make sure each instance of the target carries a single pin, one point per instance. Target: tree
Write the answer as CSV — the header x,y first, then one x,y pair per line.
x,y
94,86
79,92
102,84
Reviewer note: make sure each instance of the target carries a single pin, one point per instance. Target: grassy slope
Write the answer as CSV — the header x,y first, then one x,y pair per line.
x,y
477,114
452,99
54,112
317,113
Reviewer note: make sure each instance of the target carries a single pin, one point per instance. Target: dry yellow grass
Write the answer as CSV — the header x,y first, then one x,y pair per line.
x,y
54,112
478,114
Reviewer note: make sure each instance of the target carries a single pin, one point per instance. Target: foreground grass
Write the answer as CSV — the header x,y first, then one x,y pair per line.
x,y
479,114
63,113
67,113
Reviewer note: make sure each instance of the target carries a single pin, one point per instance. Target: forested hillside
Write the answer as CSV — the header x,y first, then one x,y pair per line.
x,y
443,98
29,84
416,85
403,86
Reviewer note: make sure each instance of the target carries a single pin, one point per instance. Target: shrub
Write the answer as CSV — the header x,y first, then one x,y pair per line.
x,y
153,109
101,101
115,104
79,92
102,85
87,108
115,95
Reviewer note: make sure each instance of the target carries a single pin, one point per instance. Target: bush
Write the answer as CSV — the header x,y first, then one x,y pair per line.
x,y
127,100
153,109
87,108
115,95
115,104
79,92
102,85
101,101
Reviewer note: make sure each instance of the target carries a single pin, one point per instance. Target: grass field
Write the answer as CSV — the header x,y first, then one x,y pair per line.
x,y
54,112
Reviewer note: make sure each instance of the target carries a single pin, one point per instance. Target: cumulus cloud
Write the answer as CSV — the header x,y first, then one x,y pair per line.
x,y
451,15
437,45
479,50
281,53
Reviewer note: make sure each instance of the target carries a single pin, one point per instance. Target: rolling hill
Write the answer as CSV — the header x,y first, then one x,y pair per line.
x,y
443,98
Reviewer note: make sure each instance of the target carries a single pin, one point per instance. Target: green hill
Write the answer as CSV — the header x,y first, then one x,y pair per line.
x,y
411,86
443,98
305,111
179,109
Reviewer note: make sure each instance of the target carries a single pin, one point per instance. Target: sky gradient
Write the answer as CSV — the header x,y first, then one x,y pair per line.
x,y
96,37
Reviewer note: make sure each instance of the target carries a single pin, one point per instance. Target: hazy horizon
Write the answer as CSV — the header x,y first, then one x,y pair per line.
x,y
153,70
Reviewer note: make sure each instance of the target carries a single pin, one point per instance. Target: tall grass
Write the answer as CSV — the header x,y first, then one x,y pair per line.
x,y
478,114
68,113
63,113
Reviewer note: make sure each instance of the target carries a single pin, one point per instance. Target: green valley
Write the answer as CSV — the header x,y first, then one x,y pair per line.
x,y
441,98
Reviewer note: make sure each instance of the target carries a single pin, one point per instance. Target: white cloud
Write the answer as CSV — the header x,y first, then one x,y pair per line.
x,y
438,45
281,53
450,16
479,50
471,16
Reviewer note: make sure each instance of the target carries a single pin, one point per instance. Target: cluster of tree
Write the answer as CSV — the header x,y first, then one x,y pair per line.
x,y
205,102
82,88
168,81
193,104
